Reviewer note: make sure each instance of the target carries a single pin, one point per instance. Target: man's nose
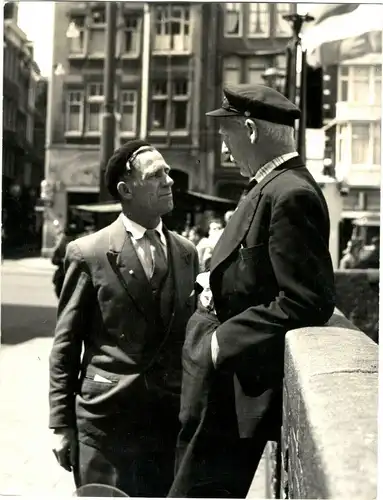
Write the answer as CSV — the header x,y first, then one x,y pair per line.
x,y
224,148
169,181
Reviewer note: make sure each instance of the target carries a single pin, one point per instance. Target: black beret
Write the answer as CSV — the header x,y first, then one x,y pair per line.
x,y
257,101
116,166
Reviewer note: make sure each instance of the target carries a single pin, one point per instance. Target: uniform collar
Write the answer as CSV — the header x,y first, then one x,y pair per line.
x,y
271,165
137,231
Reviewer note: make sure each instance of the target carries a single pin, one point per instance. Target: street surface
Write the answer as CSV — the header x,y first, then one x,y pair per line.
x,y
28,311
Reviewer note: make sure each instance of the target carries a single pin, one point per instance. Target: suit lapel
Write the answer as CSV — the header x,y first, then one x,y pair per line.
x,y
179,259
127,266
240,221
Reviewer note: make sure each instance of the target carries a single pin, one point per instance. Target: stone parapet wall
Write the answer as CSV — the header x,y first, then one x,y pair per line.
x,y
328,445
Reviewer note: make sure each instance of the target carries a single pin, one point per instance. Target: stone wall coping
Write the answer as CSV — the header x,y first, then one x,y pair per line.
x,y
331,373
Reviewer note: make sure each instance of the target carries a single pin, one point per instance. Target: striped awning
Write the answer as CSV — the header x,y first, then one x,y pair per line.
x,y
342,32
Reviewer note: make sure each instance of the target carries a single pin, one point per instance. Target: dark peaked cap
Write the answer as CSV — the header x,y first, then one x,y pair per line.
x,y
257,101
116,166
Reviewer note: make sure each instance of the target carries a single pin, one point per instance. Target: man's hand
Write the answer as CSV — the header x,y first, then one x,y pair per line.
x,y
65,447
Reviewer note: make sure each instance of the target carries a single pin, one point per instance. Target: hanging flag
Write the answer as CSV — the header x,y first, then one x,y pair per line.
x,y
342,31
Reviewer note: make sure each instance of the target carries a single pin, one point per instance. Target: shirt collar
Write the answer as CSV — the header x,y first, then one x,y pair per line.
x,y
137,231
271,165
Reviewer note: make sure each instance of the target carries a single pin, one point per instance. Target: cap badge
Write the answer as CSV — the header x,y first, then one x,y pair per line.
x,y
247,113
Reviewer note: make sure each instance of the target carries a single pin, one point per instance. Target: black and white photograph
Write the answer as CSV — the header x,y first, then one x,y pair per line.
x,y
190,249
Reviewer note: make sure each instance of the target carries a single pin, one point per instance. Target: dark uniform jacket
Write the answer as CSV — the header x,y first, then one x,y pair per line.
x,y
131,361
271,272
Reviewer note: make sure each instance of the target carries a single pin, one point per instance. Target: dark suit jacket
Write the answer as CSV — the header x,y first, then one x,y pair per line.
x,y
106,307
271,272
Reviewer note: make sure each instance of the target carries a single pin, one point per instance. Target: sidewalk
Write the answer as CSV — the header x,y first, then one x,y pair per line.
x,y
31,264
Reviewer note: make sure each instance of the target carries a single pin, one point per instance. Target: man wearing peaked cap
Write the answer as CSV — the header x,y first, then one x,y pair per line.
x,y
270,272
127,295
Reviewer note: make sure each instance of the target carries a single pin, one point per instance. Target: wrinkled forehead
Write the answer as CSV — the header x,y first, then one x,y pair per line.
x,y
150,161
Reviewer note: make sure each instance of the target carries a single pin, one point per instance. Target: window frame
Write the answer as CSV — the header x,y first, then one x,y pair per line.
x,y
260,6
83,30
232,63
80,103
237,7
278,16
96,27
169,98
128,133
137,32
167,19
90,99
347,135
349,79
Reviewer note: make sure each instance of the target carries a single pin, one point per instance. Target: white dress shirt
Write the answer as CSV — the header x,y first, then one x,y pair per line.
x,y
259,176
142,246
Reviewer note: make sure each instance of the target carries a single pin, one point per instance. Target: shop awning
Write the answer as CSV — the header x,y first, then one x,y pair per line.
x,y
189,196
99,208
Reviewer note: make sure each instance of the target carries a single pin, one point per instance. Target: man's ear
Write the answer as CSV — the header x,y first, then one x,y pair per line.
x,y
252,130
124,190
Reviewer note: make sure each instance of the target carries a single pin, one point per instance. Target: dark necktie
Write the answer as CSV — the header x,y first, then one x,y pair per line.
x,y
160,266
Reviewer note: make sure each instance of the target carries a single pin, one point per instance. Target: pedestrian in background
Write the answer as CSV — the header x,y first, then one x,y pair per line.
x,y
127,296
70,232
206,245
270,272
351,254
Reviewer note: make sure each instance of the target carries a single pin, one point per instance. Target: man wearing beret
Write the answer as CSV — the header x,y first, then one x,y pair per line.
x,y
270,272
115,365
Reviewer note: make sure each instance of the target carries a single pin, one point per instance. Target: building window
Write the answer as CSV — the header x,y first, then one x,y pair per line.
x,y
342,143
377,79
131,34
233,19
254,71
259,20
360,140
180,104
172,29
231,71
97,31
74,111
77,40
360,84
377,144
170,110
282,27
159,105
128,112
94,103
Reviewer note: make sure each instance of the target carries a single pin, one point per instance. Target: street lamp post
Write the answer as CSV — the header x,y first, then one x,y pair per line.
x,y
296,58
108,117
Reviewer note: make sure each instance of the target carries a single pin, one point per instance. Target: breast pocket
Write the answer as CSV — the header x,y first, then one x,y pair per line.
x,y
252,265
